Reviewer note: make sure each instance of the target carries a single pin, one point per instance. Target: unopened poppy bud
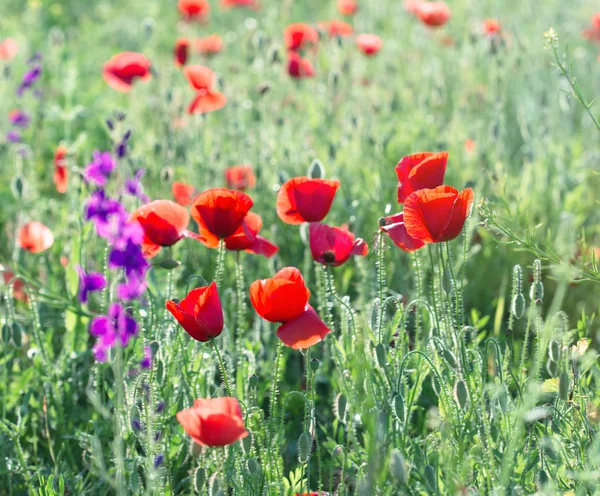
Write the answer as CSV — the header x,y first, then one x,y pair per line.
x,y
431,478
199,479
169,264
518,306
398,406
314,364
563,386
554,351
461,394
18,186
398,466
551,367
253,381
253,466
316,170
340,407
381,355
338,452
304,447
536,292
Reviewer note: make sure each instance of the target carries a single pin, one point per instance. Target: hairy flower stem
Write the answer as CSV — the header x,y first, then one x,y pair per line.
x,y
331,297
240,327
380,282
435,307
118,445
222,367
308,409
220,264
418,324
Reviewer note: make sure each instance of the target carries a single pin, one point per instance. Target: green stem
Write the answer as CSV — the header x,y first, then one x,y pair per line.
x,y
222,368
220,261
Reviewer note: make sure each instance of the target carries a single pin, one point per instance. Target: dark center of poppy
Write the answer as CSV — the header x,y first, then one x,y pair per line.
x,y
329,256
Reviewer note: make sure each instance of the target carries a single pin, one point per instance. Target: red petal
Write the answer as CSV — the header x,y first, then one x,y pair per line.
x,y
220,211
427,212
304,331
302,199
207,102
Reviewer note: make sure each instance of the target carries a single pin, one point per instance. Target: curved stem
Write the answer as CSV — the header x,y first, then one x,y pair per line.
x,y
222,368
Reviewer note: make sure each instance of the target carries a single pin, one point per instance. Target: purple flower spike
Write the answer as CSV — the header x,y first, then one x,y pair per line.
x,y
92,281
13,137
99,170
134,186
116,327
19,119
146,362
29,79
158,461
134,288
106,213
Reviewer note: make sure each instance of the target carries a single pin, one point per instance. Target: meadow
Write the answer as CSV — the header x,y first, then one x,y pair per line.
x,y
278,247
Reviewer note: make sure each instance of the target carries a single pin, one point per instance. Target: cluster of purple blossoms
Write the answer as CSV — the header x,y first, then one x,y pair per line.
x,y
124,238
32,76
19,120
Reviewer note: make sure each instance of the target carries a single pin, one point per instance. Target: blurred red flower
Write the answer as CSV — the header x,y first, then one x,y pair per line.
x,y
240,177
470,145
281,298
334,245
209,45
433,14
8,49
60,169
302,199
491,27
593,32
251,4
347,7
420,171
436,215
202,79
164,223
336,27
194,9
219,213
299,67
183,193
182,46
369,44
298,35
199,313
124,68
304,331
214,421
18,287
394,227
35,237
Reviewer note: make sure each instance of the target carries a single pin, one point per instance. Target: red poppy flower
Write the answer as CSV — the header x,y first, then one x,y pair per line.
x,y
394,227
214,421
302,199
593,32
182,46
202,79
183,193
164,223
491,27
470,145
433,14
251,4
194,9
199,313
303,331
420,171
124,68
334,245
337,28
369,44
299,67
246,238
347,7
412,6
60,169
220,212
35,237
240,177
18,287
281,298
209,45
298,35
436,215
8,49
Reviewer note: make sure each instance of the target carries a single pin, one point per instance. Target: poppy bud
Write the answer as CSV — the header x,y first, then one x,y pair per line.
x,y
314,364
340,407
304,447
18,186
169,264
199,479
253,466
253,381
399,407
338,452
398,466
461,394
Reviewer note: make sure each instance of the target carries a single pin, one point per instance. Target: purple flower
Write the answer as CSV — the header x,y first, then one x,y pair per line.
x,y
146,362
134,186
29,79
158,461
133,288
115,328
107,214
92,281
136,425
36,57
160,407
100,168
100,352
19,119
13,137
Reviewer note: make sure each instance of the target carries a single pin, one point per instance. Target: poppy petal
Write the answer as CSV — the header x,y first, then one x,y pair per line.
x,y
304,331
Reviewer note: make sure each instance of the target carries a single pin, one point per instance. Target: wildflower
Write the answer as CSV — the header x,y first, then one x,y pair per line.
x,y
220,212
194,9
18,286
183,193
299,67
347,7
199,313
394,227
302,199
593,32
251,4
8,49
246,238
29,79
182,46
133,186
240,177
164,223
334,245
369,44
146,362
412,6
470,146
88,282
127,251
303,331
202,79
60,169
35,237
100,168
158,461
135,284
337,28
297,36
209,45
123,69
436,215
420,171
106,213
13,137
491,27
116,328
433,14
214,421
19,119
